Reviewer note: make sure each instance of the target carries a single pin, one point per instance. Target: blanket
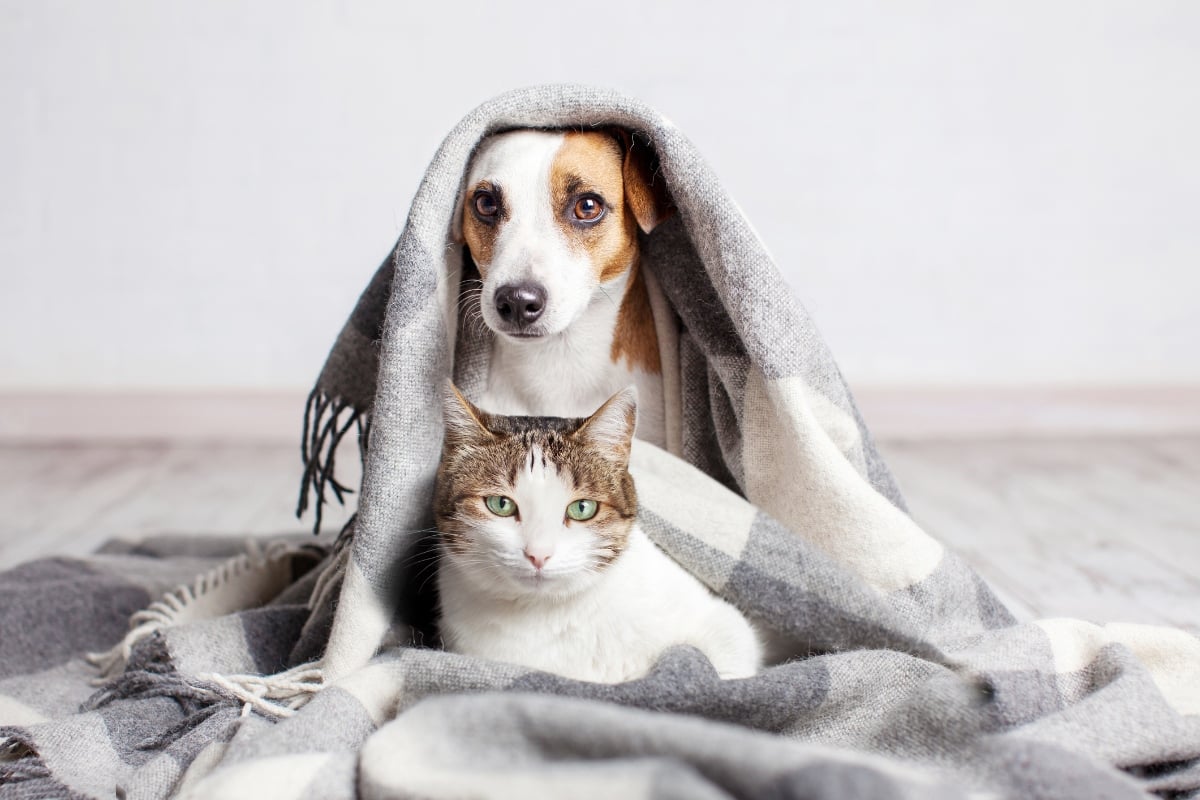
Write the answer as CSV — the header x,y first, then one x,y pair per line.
x,y
311,669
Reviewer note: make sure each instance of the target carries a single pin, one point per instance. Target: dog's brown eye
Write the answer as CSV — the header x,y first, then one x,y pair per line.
x,y
486,205
588,208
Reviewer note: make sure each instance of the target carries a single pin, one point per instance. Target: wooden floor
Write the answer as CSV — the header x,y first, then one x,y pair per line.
x,y
1106,530
1099,529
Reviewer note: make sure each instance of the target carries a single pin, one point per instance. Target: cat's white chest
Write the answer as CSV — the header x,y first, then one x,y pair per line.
x,y
616,630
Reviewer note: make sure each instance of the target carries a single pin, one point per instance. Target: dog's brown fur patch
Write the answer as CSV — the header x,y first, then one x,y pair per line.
x,y
480,236
645,191
590,162
635,338
594,162
603,163
483,453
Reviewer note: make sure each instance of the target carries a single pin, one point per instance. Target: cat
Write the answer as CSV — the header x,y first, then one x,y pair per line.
x,y
543,563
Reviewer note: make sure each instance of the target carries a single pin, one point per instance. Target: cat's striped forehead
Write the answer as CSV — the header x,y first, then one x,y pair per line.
x,y
527,443
531,430
542,465
521,444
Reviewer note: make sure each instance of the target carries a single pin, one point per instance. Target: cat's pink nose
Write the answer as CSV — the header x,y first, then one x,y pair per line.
x,y
537,561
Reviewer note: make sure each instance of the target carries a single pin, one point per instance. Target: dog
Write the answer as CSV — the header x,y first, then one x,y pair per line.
x,y
551,219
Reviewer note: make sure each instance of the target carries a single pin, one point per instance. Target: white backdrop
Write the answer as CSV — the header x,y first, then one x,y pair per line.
x,y
192,194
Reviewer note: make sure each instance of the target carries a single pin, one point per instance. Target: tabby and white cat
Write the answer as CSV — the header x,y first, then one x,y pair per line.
x,y
543,563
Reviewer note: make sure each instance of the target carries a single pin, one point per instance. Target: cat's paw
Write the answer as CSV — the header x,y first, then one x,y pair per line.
x,y
735,650
743,664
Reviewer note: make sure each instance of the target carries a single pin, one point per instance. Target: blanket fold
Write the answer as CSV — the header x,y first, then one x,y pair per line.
x,y
295,670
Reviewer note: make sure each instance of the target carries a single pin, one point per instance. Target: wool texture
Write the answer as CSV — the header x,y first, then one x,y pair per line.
x,y
303,670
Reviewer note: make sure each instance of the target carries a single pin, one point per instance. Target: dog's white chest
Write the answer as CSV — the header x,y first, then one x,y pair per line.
x,y
570,379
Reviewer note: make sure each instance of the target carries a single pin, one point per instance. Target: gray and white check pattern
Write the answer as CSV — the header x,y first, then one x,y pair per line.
x,y
905,677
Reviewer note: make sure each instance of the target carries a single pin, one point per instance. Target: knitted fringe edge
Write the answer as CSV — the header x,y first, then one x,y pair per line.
x,y
23,772
327,581
174,604
278,695
324,429
151,674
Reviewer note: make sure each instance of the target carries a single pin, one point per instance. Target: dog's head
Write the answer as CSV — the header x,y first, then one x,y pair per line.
x,y
550,218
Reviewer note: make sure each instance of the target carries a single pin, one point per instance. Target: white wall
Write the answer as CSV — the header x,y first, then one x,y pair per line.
x,y
192,194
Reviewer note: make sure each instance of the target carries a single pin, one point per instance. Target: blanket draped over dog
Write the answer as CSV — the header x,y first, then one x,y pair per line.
x,y
302,670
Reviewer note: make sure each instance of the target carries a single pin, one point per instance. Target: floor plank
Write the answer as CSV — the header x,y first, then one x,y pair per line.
x,y
1107,530
1104,529
64,499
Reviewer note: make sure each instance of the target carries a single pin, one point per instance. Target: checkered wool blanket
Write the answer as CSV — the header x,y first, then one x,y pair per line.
x,y
297,670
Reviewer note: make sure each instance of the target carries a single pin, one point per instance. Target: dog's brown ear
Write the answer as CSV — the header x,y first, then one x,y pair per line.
x,y
645,190
456,223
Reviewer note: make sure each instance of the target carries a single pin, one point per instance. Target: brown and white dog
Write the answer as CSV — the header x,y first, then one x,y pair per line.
x,y
551,220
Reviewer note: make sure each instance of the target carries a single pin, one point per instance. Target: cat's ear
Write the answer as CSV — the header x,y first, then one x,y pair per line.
x,y
612,425
464,422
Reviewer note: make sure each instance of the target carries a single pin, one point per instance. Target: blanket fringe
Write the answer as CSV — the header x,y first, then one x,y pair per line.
x,y
12,750
327,582
272,695
280,695
24,774
275,696
175,604
149,674
324,430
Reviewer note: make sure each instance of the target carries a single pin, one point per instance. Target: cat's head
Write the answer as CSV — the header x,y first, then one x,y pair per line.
x,y
535,504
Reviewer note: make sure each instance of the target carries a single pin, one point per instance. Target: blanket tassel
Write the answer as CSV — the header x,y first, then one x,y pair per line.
x,y
174,606
271,695
324,430
24,774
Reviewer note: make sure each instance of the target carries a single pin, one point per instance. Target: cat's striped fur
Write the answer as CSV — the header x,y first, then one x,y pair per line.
x,y
591,598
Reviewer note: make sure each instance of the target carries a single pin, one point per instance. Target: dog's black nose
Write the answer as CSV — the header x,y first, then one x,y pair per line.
x,y
520,303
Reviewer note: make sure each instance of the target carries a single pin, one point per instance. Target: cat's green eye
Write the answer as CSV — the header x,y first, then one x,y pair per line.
x,y
583,510
500,505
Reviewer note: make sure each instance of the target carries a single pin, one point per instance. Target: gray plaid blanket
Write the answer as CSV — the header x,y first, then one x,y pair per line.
x,y
300,670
